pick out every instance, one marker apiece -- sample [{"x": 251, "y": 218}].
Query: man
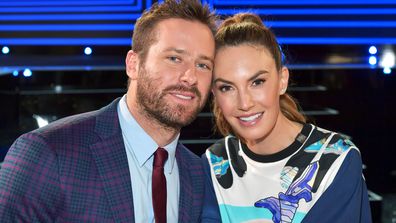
[{"x": 97, "y": 166}]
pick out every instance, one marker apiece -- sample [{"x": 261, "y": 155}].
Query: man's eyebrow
[
  {"x": 203, "y": 57},
  {"x": 181, "y": 51}
]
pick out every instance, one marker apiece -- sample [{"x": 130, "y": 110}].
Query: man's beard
[{"x": 152, "y": 103}]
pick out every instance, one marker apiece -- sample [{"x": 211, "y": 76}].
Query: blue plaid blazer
[{"x": 76, "y": 170}]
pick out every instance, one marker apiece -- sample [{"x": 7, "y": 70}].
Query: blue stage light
[
  {"x": 67, "y": 27},
  {"x": 67, "y": 17},
  {"x": 27, "y": 73},
  {"x": 15, "y": 73},
  {"x": 372, "y": 50},
  {"x": 373, "y": 60},
  {"x": 88, "y": 51},
  {"x": 72, "y": 41},
  {"x": 387, "y": 70},
  {"x": 5, "y": 50},
  {"x": 57, "y": 9}
]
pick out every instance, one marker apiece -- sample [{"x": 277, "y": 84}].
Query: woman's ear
[
  {"x": 132, "y": 64},
  {"x": 284, "y": 80}
]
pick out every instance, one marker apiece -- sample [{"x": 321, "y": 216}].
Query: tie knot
[{"x": 160, "y": 156}]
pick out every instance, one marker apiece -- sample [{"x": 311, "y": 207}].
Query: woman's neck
[{"x": 280, "y": 137}]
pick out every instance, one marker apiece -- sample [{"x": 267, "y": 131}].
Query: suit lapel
[
  {"x": 186, "y": 190},
  {"x": 111, "y": 160}
]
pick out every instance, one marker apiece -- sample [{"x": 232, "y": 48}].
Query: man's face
[{"x": 175, "y": 78}]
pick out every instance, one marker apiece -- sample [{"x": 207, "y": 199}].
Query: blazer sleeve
[
  {"x": 29, "y": 182},
  {"x": 346, "y": 199},
  {"x": 210, "y": 210}
]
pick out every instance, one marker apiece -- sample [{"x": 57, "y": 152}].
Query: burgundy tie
[{"x": 159, "y": 185}]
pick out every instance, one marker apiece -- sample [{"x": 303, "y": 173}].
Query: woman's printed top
[{"x": 297, "y": 184}]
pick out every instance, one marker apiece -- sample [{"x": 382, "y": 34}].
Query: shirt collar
[{"x": 142, "y": 145}]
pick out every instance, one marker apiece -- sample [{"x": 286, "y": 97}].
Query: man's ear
[
  {"x": 132, "y": 64},
  {"x": 284, "y": 80}
]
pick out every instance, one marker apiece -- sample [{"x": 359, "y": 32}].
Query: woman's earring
[{"x": 283, "y": 91}]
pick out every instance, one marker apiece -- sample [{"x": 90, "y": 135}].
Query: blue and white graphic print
[
  {"x": 285, "y": 206},
  {"x": 220, "y": 166}
]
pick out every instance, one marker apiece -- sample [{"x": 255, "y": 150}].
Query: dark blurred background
[{"x": 65, "y": 57}]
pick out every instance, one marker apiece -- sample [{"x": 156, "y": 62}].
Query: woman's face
[{"x": 247, "y": 87}]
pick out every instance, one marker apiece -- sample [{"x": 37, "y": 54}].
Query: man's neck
[{"x": 161, "y": 134}]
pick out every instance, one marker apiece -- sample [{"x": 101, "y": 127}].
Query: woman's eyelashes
[
  {"x": 224, "y": 88},
  {"x": 227, "y": 87},
  {"x": 258, "y": 81}
]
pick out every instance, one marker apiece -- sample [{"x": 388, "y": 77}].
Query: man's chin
[
  {"x": 184, "y": 120},
  {"x": 177, "y": 117}
]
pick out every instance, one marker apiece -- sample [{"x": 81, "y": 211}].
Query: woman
[{"x": 272, "y": 166}]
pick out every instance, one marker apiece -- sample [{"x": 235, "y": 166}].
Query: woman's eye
[
  {"x": 258, "y": 82},
  {"x": 225, "y": 88}
]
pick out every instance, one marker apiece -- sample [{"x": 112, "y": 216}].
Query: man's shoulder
[
  {"x": 188, "y": 159},
  {"x": 186, "y": 153},
  {"x": 68, "y": 125},
  {"x": 75, "y": 128}
]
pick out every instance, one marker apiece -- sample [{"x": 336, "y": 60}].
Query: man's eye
[
  {"x": 204, "y": 66},
  {"x": 174, "y": 59}
]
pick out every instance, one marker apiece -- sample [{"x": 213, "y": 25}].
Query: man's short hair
[{"x": 144, "y": 32}]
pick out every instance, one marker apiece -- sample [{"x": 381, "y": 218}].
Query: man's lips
[
  {"x": 183, "y": 92},
  {"x": 183, "y": 95}
]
